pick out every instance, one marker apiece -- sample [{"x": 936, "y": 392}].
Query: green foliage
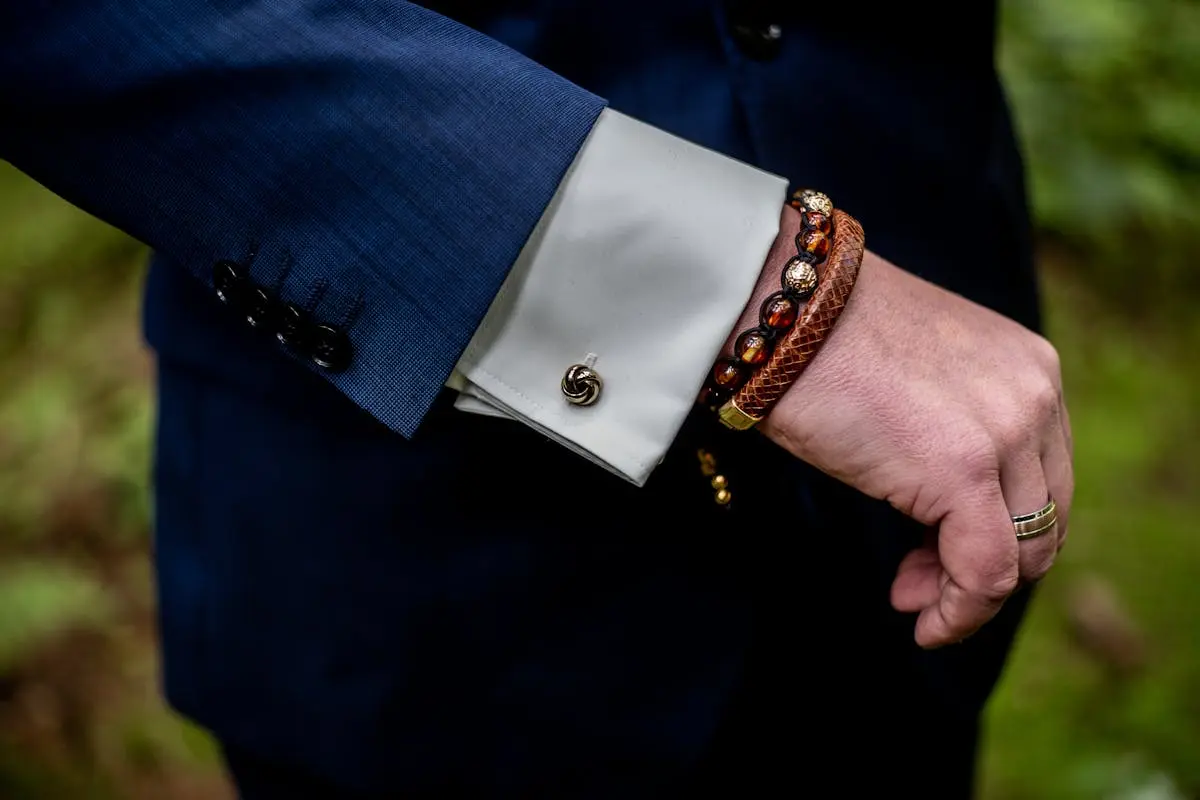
[
  {"x": 1107, "y": 98},
  {"x": 75, "y": 416},
  {"x": 74, "y": 435},
  {"x": 1067, "y": 723},
  {"x": 21, "y": 779},
  {"x": 1107, "y": 103},
  {"x": 40, "y": 600}
]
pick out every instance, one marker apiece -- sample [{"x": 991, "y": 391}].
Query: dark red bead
[
  {"x": 728, "y": 375},
  {"x": 753, "y": 348},
  {"x": 815, "y": 220},
  {"x": 813, "y": 242},
  {"x": 779, "y": 312}
]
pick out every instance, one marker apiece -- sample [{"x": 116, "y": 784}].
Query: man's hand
[{"x": 953, "y": 414}]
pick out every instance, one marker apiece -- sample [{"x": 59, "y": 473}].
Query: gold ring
[{"x": 1029, "y": 526}]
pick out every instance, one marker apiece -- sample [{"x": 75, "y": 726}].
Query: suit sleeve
[
  {"x": 381, "y": 163},
  {"x": 419, "y": 197}
]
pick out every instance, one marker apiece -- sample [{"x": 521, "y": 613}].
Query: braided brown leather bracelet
[{"x": 753, "y": 401}]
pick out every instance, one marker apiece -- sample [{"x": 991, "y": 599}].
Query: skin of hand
[{"x": 950, "y": 412}]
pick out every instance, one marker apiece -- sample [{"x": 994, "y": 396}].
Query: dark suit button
[
  {"x": 258, "y": 307},
  {"x": 330, "y": 348},
  {"x": 758, "y": 41},
  {"x": 229, "y": 279},
  {"x": 291, "y": 325}
]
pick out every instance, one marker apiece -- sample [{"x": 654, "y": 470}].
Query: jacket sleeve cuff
[{"x": 640, "y": 266}]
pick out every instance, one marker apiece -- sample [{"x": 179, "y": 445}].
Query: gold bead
[
  {"x": 799, "y": 276},
  {"x": 708, "y": 462},
  {"x": 719, "y": 482},
  {"x": 723, "y": 497},
  {"x": 816, "y": 201}
]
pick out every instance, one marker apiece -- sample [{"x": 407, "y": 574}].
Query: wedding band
[{"x": 1029, "y": 526}]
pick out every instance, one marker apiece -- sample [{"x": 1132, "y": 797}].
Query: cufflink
[{"x": 581, "y": 385}]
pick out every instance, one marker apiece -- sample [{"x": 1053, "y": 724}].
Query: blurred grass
[
  {"x": 1079, "y": 718},
  {"x": 1102, "y": 697},
  {"x": 80, "y": 714}
]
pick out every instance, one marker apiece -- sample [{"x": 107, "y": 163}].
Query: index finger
[{"x": 978, "y": 551}]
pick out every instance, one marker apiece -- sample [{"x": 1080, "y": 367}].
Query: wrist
[{"x": 840, "y": 354}]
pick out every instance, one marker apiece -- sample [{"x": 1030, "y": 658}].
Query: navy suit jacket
[{"x": 335, "y": 191}]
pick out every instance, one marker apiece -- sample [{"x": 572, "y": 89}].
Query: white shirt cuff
[{"x": 640, "y": 266}]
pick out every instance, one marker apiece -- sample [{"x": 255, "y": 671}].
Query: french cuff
[{"x": 639, "y": 268}]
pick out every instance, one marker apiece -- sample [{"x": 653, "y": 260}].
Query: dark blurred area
[{"x": 1102, "y": 696}]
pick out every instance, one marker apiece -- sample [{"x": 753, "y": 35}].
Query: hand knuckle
[
  {"x": 976, "y": 460},
  {"x": 1045, "y": 397},
  {"x": 1034, "y": 405},
  {"x": 1014, "y": 429},
  {"x": 1047, "y": 354}
]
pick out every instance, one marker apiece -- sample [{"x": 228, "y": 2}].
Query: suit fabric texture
[{"x": 363, "y": 588}]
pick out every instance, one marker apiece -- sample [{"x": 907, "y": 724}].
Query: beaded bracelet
[
  {"x": 792, "y": 327},
  {"x": 779, "y": 312},
  {"x": 796, "y": 349}
]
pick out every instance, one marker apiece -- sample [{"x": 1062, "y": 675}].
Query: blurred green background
[{"x": 1102, "y": 697}]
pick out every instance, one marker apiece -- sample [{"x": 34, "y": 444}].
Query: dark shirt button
[
  {"x": 760, "y": 42},
  {"x": 291, "y": 325},
  {"x": 330, "y": 348},
  {"x": 258, "y": 307},
  {"x": 229, "y": 279}
]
